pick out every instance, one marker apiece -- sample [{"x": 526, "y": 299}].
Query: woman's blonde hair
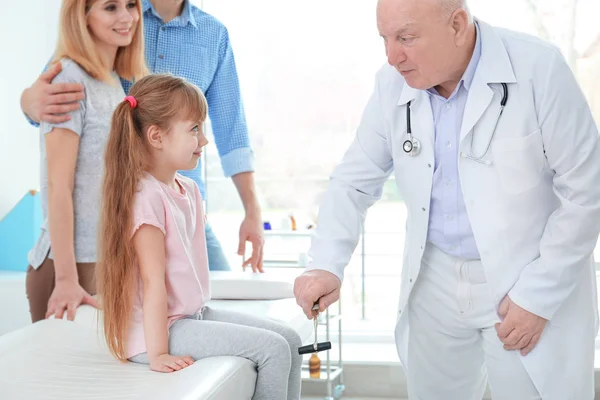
[
  {"x": 161, "y": 99},
  {"x": 75, "y": 42}
]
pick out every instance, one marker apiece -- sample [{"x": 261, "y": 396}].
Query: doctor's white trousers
[{"x": 453, "y": 347}]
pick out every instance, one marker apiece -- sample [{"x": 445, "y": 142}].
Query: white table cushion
[
  {"x": 234, "y": 285},
  {"x": 78, "y": 366},
  {"x": 65, "y": 360}
]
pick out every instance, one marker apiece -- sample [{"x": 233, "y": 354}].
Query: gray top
[{"x": 92, "y": 123}]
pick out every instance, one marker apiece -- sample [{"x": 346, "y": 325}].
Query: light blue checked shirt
[
  {"x": 196, "y": 46},
  {"x": 449, "y": 226}
]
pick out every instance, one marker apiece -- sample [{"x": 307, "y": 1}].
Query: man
[
  {"x": 185, "y": 41},
  {"x": 496, "y": 153}
]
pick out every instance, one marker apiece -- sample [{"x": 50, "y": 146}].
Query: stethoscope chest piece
[{"x": 412, "y": 146}]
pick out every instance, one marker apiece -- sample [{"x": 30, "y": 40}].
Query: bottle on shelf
[{"x": 314, "y": 366}]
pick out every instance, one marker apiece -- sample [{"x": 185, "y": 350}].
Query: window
[{"x": 307, "y": 70}]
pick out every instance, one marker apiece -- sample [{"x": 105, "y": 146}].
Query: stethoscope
[{"x": 412, "y": 145}]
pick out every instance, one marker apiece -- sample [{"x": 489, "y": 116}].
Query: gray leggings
[{"x": 272, "y": 345}]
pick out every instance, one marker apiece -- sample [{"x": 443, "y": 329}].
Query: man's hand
[
  {"x": 316, "y": 285},
  {"x": 67, "y": 296},
  {"x": 520, "y": 329},
  {"x": 251, "y": 230},
  {"x": 50, "y": 102}
]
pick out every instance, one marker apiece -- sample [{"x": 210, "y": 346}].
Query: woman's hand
[
  {"x": 68, "y": 295},
  {"x": 169, "y": 363}
]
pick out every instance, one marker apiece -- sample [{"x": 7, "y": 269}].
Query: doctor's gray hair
[{"x": 449, "y": 6}]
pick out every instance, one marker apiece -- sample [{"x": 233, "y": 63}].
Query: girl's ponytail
[{"x": 115, "y": 272}]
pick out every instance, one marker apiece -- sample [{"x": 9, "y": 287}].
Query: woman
[{"x": 99, "y": 41}]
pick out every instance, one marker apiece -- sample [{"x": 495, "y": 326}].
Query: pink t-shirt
[{"x": 180, "y": 217}]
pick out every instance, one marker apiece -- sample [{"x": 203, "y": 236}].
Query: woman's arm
[
  {"x": 62, "y": 147},
  {"x": 149, "y": 245}
]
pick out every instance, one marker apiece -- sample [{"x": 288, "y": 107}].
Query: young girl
[
  {"x": 152, "y": 276},
  {"x": 99, "y": 41}
]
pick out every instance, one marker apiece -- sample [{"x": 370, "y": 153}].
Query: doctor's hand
[
  {"x": 316, "y": 285},
  {"x": 520, "y": 329}
]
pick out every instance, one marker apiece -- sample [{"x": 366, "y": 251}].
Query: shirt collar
[
  {"x": 469, "y": 74},
  {"x": 186, "y": 17}
]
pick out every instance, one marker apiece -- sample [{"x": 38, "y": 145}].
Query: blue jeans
[{"x": 216, "y": 258}]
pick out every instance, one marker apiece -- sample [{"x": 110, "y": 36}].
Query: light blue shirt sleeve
[
  {"x": 226, "y": 111},
  {"x": 31, "y": 122}
]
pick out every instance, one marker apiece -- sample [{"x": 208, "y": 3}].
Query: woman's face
[{"x": 113, "y": 22}]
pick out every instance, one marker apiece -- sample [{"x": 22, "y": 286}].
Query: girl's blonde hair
[
  {"x": 161, "y": 100},
  {"x": 75, "y": 42}
]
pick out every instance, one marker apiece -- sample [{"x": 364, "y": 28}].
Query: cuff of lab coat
[
  {"x": 238, "y": 161},
  {"x": 339, "y": 274},
  {"x": 531, "y": 306},
  {"x": 530, "y": 297}
]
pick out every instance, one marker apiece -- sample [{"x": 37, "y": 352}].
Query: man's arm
[
  {"x": 251, "y": 229},
  {"x": 572, "y": 148},
  {"x": 50, "y": 102},
  {"x": 244, "y": 183},
  {"x": 227, "y": 115},
  {"x": 233, "y": 144},
  {"x": 356, "y": 184}
]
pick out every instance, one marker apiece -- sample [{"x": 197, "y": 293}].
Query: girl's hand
[
  {"x": 68, "y": 295},
  {"x": 169, "y": 363}
]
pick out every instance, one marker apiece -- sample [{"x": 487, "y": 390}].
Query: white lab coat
[{"x": 534, "y": 211}]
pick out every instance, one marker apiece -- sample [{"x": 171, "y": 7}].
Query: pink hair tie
[{"x": 132, "y": 101}]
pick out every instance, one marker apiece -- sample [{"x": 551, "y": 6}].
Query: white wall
[{"x": 28, "y": 35}]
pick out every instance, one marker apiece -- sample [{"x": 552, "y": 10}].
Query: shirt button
[
  {"x": 161, "y": 56},
  {"x": 448, "y": 106},
  {"x": 162, "y": 29},
  {"x": 449, "y": 217},
  {"x": 448, "y": 145}
]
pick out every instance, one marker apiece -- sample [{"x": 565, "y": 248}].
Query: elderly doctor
[{"x": 497, "y": 156}]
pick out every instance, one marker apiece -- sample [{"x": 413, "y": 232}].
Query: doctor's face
[{"x": 420, "y": 40}]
